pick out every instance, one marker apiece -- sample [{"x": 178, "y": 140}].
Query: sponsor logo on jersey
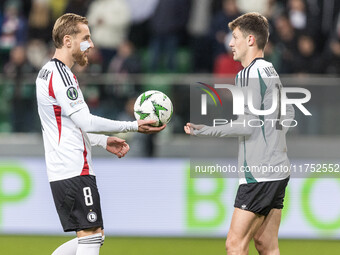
[
  {"x": 80, "y": 101},
  {"x": 92, "y": 217},
  {"x": 72, "y": 93}
]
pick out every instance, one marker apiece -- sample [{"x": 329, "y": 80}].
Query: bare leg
[
  {"x": 266, "y": 237},
  {"x": 244, "y": 225}
]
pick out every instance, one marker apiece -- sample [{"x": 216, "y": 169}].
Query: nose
[
  {"x": 91, "y": 44},
  {"x": 231, "y": 43}
]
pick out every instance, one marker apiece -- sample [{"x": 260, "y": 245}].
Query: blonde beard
[{"x": 80, "y": 58}]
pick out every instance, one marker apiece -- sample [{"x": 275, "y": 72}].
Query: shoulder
[
  {"x": 246, "y": 74},
  {"x": 258, "y": 68},
  {"x": 50, "y": 67},
  {"x": 45, "y": 72},
  {"x": 62, "y": 72},
  {"x": 264, "y": 69},
  {"x": 56, "y": 65}
]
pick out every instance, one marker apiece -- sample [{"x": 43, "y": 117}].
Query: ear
[
  {"x": 251, "y": 40},
  {"x": 67, "y": 41}
]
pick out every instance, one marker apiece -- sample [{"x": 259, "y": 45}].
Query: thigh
[
  {"x": 269, "y": 229},
  {"x": 244, "y": 225}
]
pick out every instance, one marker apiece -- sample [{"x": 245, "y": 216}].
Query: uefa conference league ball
[{"x": 153, "y": 105}]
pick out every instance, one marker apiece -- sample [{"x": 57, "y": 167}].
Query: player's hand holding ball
[{"x": 145, "y": 126}]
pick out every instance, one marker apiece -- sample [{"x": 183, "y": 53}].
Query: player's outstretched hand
[
  {"x": 117, "y": 146},
  {"x": 190, "y": 127},
  {"x": 145, "y": 127}
]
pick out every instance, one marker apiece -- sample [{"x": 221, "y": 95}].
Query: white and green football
[{"x": 153, "y": 105}]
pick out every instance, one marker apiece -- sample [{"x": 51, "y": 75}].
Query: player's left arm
[
  {"x": 236, "y": 128},
  {"x": 112, "y": 144}
]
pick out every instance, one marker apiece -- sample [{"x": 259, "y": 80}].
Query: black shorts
[
  {"x": 261, "y": 197},
  {"x": 77, "y": 202}
]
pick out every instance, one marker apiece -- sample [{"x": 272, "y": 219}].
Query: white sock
[
  {"x": 103, "y": 239},
  {"x": 89, "y": 245},
  {"x": 68, "y": 248}
]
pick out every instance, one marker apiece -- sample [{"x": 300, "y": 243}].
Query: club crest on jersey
[
  {"x": 92, "y": 217},
  {"x": 72, "y": 93}
]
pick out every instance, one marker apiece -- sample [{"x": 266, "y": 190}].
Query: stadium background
[{"x": 150, "y": 203}]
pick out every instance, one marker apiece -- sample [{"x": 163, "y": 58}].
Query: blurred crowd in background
[
  {"x": 157, "y": 36},
  {"x": 136, "y": 36}
]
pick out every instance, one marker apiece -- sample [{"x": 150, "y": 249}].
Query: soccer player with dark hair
[
  {"x": 259, "y": 199},
  {"x": 69, "y": 130}
]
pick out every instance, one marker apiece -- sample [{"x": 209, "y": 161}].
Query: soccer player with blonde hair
[{"x": 69, "y": 131}]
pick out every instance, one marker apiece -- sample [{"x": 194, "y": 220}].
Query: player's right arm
[
  {"x": 93, "y": 124},
  {"x": 69, "y": 97}
]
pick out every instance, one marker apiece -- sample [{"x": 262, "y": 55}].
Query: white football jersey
[
  {"x": 264, "y": 152},
  {"x": 67, "y": 148}
]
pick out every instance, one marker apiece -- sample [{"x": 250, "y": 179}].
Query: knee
[
  {"x": 228, "y": 245},
  {"x": 233, "y": 244},
  {"x": 265, "y": 245},
  {"x": 260, "y": 245}
]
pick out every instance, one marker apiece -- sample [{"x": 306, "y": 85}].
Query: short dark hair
[
  {"x": 255, "y": 24},
  {"x": 67, "y": 24}
]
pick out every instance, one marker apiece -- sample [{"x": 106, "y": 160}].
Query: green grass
[{"x": 44, "y": 245}]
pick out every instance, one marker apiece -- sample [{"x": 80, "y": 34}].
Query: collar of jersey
[
  {"x": 57, "y": 60},
  {"x": 254, "y": 61}
]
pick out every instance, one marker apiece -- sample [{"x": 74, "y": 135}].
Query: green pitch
[{"x": 44, "y": 245}]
